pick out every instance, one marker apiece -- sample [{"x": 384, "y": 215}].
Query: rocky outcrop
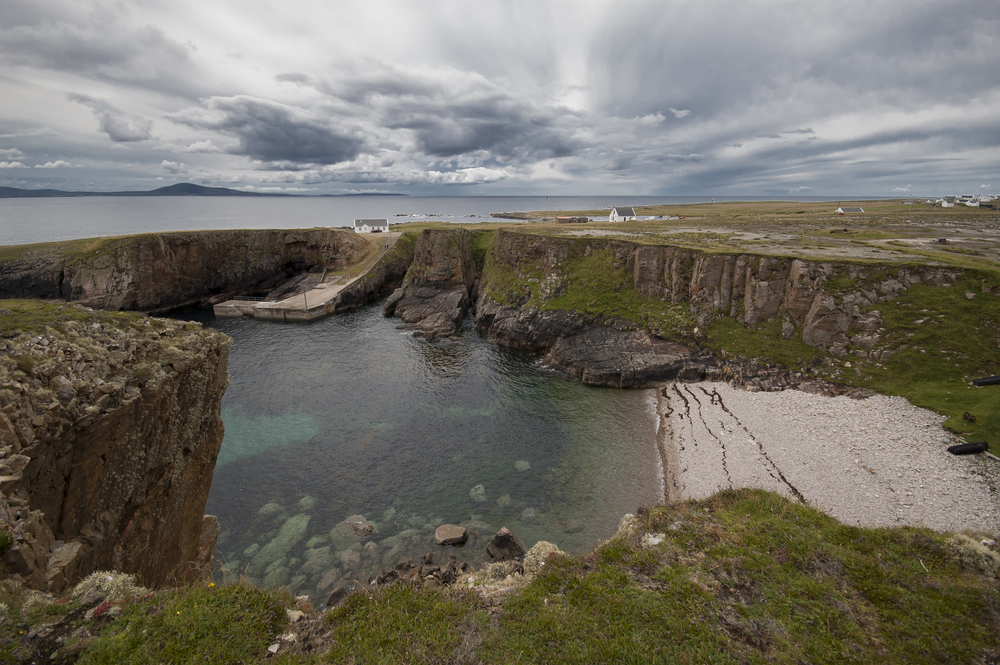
[
  {"x": 831, "y": 305},
  {"x": 612, "y": 353},
  {"x": 109, "y": 433},
  {"x": 158, "y": 272},
  {"x": 435, "y": 296}
]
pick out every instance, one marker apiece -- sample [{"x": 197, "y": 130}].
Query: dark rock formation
[
  {"x": 615, "y": 354},
  {"x": 505, "y": 546},
  {"x": 435, "y": 296},
  {"x": 110, "y": 429},
  {"x": 162, "y": 271}
]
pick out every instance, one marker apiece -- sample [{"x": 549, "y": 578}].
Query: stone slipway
[
  {"x": 874, "y": 462},
  {"x": 317, "y": 302}
]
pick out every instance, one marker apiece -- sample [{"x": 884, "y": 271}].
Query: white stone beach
[{"x": 874, "y": 462}]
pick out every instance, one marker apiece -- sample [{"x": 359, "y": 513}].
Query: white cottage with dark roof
[
  {"x": 621, "y": 214},
  {"x": 371, "y": 226}
]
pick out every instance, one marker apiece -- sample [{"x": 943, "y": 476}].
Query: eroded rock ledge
[
  {"x": 436, "y": 293},
  {"x": 109, "y": 432}
]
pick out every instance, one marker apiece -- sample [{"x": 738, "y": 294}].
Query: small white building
[
  {"x": 371, "y": 226},
  {"x": 842, "y": 211},
  {"x": 621, "y": 214}
]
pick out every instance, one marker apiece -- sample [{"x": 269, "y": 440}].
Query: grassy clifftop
[{"x": 744, "y": 577}]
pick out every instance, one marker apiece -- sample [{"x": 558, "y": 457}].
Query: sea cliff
[
  {"x": 158, "y": 272},
  {"x": 619, "y": 313},
  {"x": 109, "y": 432}
]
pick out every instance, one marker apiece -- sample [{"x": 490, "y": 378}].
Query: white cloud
[
  {"x": 58, "y": 164},
  {"x": 175, "y": 168},
  {"x": 202, "y": 146},
  {"x": 680, "y": 113},
  {"x": 12, "y": 165},
  {"x": 651, "y": 120},
  {"x": 902, "y": 189},
  {"x": 11, "y": 152},
  {"x": 984, "y": 186}
]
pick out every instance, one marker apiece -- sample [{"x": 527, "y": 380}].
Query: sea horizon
[{"x": 34, "y": 220}]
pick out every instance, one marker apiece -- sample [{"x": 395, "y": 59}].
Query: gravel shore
[{"x": 875, "y": 462}]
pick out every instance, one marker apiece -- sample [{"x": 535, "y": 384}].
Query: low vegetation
[{"x": 744, "y": 577}]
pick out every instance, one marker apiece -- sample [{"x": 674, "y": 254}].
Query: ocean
[{"x": 24, "y": 221}]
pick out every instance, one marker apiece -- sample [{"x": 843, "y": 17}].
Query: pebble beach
[{"x": 873, "y": 462}]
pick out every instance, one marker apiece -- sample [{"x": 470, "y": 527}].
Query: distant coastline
[{"x": 180, "y": 189}]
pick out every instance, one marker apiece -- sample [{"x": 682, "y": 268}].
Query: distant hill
[{"x": 180, "y": 189}]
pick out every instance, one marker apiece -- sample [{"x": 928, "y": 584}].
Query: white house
[
  {"x": 371, "y": 226},
  {"x": 621, "y": 214},
  {"x": 841, "y": 211}
]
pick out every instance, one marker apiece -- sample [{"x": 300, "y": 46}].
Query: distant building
[
  {"x": 371, "y": 226},
  {"x": 841, "y": 211},
  {"x": 621, "y": 214}
]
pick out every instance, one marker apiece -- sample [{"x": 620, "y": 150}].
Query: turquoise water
[{"x": 348, "y": 416}]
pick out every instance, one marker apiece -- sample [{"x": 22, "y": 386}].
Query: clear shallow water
[
  {"x": 348, "y": 416},
  {"x": 25, "y": 221}
]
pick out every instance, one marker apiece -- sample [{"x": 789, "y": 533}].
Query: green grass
[
  {"x": 481, "y": 241},
  {"x": 746, "y": 576},
  {"x": 32, "y": 316},
  {"x": 194, "y": 625},
  {"x": 402, "y": 624},
  {"x": 592, "y": 283},
  {"x": 765, "y": 342}
]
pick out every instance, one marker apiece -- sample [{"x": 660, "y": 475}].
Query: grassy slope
[{"x": 744, "y": 577}]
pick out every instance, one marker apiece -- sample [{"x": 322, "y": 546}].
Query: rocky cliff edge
[
  {"x": 436, "y": 292},
  {"x": 618, "y": 313},
  {"x": 109, "y": 431},
  {"x": 157, "y": 272}
]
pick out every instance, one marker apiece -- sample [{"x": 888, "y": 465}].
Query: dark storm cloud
[
  {"x": 456, "y": 113},
  {"x": 118, "y": 125},
  {"x": 273, "y": 132}
]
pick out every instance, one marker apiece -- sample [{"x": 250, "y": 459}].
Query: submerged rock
[
  {"x": 522, "y": 465},
  {"x": 291, "y": 532},
  {"x": 450, "y": 534},
  {"x": 478, "y": 494}
]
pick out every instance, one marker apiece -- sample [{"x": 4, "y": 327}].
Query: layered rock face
[
  {"x": 109, "y": 433},
  {"x": 748, "y": 288},
  {"x": 435, "y": 296},
  {"x": 751, "y": 289},
  {"x": 163, "y": 271}
]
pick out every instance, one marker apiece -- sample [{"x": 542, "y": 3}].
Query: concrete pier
[{"x": 312, "y": 304}]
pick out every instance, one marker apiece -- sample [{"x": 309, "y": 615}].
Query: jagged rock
[
  {"x": 435, "y": 296},
  {"x": 505, "y": 546},
  {"x": 450, "y": 534},
  {"x": 119, "y": 473}
]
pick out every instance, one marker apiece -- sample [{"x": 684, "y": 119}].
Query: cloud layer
[{"x": 636, "y": 96}]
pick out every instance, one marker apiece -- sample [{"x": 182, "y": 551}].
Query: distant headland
[{"x": 180, "y": 189}]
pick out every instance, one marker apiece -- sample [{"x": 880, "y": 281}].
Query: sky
[{"x": 535, "y": 97}]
